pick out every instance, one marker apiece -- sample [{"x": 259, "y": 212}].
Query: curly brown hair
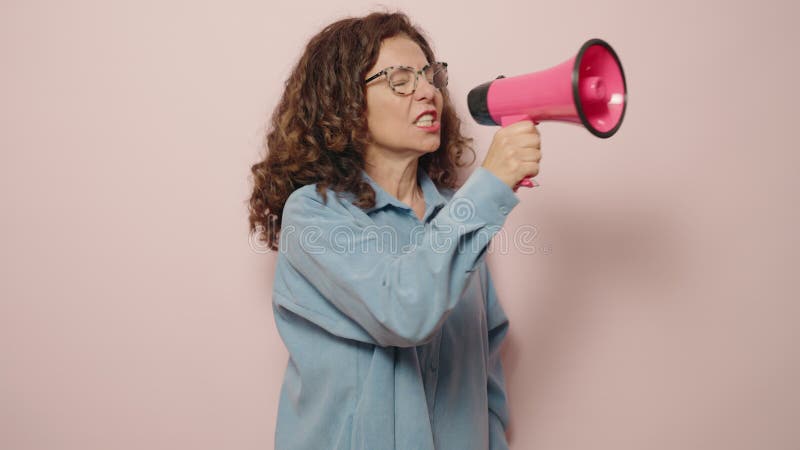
[{"x": 318, "y": 132}]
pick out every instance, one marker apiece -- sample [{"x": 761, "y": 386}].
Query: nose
[{"x": 425, "y": 90}]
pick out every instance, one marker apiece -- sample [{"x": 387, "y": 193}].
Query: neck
[{"x": 396, "y": 174}]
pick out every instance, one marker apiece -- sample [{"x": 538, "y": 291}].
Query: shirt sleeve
[
  {"x": 395, "y": 298},
  {"x": 497, "y": 324}
]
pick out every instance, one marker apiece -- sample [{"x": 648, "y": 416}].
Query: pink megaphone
[{"x": 588, "y": 89}]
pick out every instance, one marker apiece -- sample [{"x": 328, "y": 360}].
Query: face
[{"x": 392, "y": 118}]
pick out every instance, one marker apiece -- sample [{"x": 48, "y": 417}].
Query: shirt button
[{"x": 504, "y": 210}]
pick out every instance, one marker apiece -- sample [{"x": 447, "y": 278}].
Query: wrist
[{"x": 508, "y": 182}]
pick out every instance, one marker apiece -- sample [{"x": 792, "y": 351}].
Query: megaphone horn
[{"x": 588, "y": 89}]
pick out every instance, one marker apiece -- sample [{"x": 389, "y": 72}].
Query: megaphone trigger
[{"x": 527, "y": 182}]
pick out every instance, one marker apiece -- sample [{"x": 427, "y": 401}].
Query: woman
[{"x": 381, "y": 293}]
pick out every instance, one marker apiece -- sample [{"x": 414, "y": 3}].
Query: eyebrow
[{"x": 407, "y": 65}]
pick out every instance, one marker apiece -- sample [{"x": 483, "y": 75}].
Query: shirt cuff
[{"x": 491, "y": 198}]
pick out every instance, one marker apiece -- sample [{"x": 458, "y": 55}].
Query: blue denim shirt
[{"x": 392, "y": 324}]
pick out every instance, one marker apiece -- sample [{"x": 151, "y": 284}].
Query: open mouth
[{"x": 426, "y": 119}]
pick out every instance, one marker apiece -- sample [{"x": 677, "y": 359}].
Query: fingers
[
  {"x": 527, "y": 151},
  {"x": 531, "y": 157},
  {"x": 521, "y": 134},
  {"x": 515, "y": 153},
  {"x": 530, "y": 169}
]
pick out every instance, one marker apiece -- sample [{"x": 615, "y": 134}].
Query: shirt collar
[{"x": 433, "y": 198}]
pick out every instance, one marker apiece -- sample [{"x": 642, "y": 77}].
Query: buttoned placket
[{"x": 430, "y": 352}]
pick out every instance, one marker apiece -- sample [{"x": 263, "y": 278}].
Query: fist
[{"x": 515, "y": 153}]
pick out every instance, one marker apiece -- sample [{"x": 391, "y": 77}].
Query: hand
[{"x": 515, "y": 153}]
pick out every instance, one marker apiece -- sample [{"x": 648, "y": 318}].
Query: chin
[
  {"x": 429, "y": 149},
  {"x": 432, "y": 146}
]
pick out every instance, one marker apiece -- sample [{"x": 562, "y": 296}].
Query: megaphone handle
[{"x": 508, "y": 120}]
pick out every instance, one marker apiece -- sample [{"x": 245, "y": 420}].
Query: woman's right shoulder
[{"x": 303, "y": 195}]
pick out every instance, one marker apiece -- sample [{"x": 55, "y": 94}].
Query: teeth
[
  {"x": 427, "y": 118},
  {"x": 424, "y": 123}
]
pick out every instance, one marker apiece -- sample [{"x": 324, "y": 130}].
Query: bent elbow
[{"x": 407, "y": 335}]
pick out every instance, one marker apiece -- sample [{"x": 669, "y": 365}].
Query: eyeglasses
[{"x": 403, "y": 79}]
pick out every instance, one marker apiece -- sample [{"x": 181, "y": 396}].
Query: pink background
[{"x": 658, "y": 311}]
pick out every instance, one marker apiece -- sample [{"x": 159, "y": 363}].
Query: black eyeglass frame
[{"x": 416, "y": 72}]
